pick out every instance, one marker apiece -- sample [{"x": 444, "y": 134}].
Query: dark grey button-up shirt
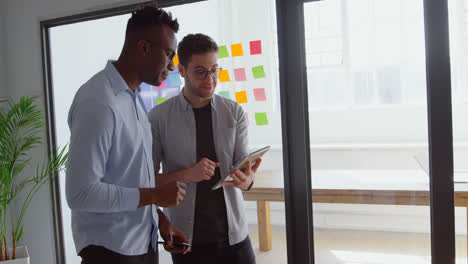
[{"x": 174, "y": 146}]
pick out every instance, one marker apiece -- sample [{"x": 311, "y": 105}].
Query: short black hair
[
  {"x": 195, "y": 44},
  {"x": 149, "y": 16}
]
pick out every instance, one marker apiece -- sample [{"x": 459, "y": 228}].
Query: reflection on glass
[
  {"x": 368, "y": 121},
  {"x": 458, "y": 32}
]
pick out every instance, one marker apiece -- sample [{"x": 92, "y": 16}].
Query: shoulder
[
  {"x": 97, "y": 89},
  {"x": 95, "y": 97},
  {"x": 163, "y": 110},
  {"x": 228, "y": 105}
]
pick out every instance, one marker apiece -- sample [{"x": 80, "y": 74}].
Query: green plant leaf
[
  {"x": 21, "y": 125},
  {"x": 20, "y": 234}
]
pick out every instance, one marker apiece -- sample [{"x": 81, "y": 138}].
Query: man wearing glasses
[
  {"x": 198, "y": 136},
  {"x": 110, "y": 184}
]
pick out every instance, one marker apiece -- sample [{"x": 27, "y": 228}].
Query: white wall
[
  {"x": 3, "y": 91},
  {"x": 20, "y": 40}
]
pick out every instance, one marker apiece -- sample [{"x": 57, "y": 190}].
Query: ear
[
  {"x": 143, "y": 47},
  {"x": 181, "y": 70}
]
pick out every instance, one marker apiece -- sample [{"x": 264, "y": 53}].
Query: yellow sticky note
[
  {"x": 224, "y": 76},
  {"x": 236, "y": 50},
  {"x": 241, "y": 97},
  {"x": 176, "y": 60}
]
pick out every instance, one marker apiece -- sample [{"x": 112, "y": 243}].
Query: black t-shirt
[{"x": 210, "y": 226}]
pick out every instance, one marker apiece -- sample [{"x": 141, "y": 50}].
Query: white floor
[{"x": 352, "y": 247}]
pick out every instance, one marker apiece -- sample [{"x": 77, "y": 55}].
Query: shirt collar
[
  {"x": 118, "y": 84},
  {"x": 186, "y": 105}
]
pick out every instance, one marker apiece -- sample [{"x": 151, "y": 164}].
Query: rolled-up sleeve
[{"x": 92, "y": 125}]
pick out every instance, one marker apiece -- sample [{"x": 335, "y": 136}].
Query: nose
[
  {"x": 170, "y": 66},
  {"x": 212, "y": 76},
  {"x": 209, "y": 78}
]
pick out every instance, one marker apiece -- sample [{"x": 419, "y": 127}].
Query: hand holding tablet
[{"x": 252, "y": 157}]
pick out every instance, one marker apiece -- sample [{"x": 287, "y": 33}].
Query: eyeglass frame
[{"x": 213, "y": 74}]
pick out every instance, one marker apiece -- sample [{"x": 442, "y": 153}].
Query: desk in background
[{"x": 385, "y": 187}]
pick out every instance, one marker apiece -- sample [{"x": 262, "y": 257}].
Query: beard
[
  {"x": 202, "y": 93},
  {"x": 199, "y": 91}
]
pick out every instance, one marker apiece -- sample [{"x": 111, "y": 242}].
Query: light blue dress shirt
[{"x": 110, "y": 158}]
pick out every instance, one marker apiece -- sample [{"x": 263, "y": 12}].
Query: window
[{"x": 249, "y": 58}]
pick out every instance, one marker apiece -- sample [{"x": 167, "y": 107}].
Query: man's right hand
[
  {"x": 170, "y": 194},
  {"x": 202, "y": 171},
  {"x": 167, "y": 195}
]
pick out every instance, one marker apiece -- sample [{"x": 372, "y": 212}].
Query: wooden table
[{"x": 386, "y": 187}]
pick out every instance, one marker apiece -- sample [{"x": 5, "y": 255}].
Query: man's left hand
[
  {"x": 243, "y": 178},
  {"x": 171, "y": 234}
]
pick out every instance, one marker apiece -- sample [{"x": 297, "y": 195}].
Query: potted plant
[{"x": 21, "y": 123}]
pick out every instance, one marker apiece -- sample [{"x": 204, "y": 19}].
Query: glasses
[
  {"x": 202, "y": 74},
  {"x": 170, "y": 54}
]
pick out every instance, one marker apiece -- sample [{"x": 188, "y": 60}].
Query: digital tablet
[{"x": 252, "y": 157}]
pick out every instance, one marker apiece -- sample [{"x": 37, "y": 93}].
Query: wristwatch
[{"x": 250, "y": 186}]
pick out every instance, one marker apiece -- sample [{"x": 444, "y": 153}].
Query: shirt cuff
[{"x": 131, "y": 199}]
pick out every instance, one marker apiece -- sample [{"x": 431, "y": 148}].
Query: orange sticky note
[
  {"x": 224, "y": 76},
  {"x": 241, "y": 97},
  {"x": 236, "y": 50},
  {"x": 175, "y": 60}
]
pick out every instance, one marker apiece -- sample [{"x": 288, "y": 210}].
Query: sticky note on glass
[
  {"x": 160, "y": 86},
  {"x": 241, "y": 97},
  {"x": 173, "y": 80},
  {"x": 247, "y": 117},
  {"x": 239, "y": 74},
  {"x": 258, "y": 72},
  {"x": 261, "y": 119},
  {"x": 259, "y": 94},
  {"x": 223, "y": 76},
  {"x": 175, "y": 60},
  {"x": 236, "y": 50},
  {"x": 225, "y": 94},
  {"x": 255, "y": 47},
  {"x": 160, "y": 100},
  {"x": 223, "y": 52}
]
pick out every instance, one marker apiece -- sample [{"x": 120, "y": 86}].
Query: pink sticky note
[
  {"x": 160, "y": 86},
  {"x": 239, "y": 74},
  {"x": 247, "y": 116},
  {"x": 255, "y": 47},
  {"x": 259, "y": 94}
]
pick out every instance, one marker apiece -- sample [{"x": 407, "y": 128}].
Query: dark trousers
[
  {"x": 101, "y": 255},
  {"x": 241, "y": 253}
]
